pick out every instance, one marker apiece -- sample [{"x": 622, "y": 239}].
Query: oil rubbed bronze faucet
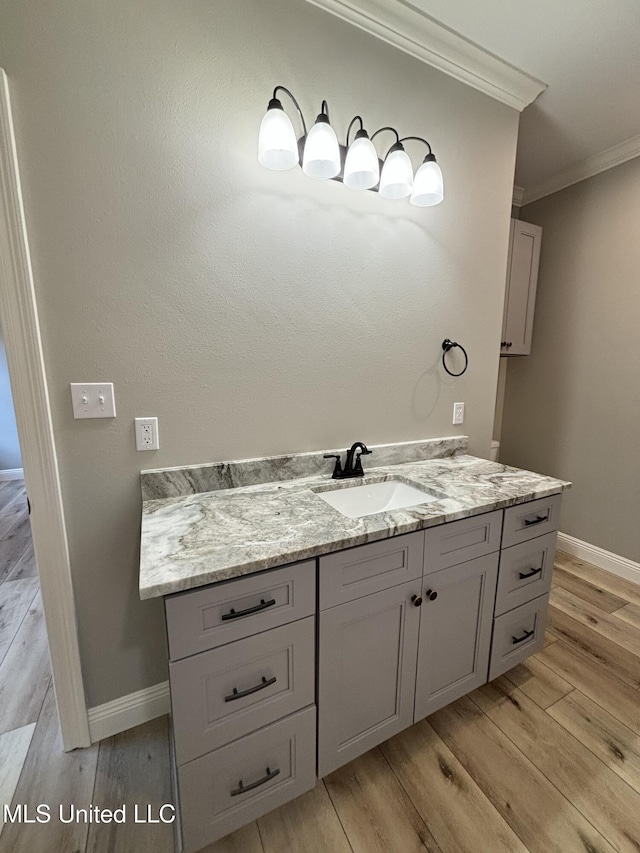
[{"x": 353, "y": 463}]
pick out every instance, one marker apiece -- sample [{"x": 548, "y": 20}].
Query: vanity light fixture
[
  {"x": 321, "y": 157},
  {"x": 428, "y": 186},
  {"x": 277, "y": 144},
  {"x": 356, "y": 164},
  {"x": 396, "y": 179},
  {"x": 361, "y": 166}
]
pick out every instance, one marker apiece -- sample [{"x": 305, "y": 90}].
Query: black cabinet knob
[
  {"x": 417, "y": 601},
  {"x": 431, "y": 595}
]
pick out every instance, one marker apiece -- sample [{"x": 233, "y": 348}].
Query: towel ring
[{"x": 448, "y": 345}]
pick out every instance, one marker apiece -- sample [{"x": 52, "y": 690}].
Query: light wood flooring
[{"x": 545, "y": 759}]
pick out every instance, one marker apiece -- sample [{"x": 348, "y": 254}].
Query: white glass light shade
[
  {"x": 277, "y": 144},
  {"x": 321, "y": 157},
  {"x": 428, "y": 188},
  {"x": 396, "y": 179},
  {"x": 361, "y": 168}
]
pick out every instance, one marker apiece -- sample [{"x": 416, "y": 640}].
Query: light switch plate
[{"x": 93, "y": 400}]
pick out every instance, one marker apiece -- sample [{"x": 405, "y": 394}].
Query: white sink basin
[{"x": 369, "y": 498}]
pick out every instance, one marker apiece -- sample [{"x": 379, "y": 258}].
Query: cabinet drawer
[
  {"x": 238, "y": 783},
  {"x": 517, "y": 635},
  {"x": 460, "y": 541},
  {"x": 525, "y": 572},
  {"x": 275, "y": 671},
  {"x": 525, "y": 521},
  {"x": 221, "y": 613},
  {"x": 347, "y": 575}
]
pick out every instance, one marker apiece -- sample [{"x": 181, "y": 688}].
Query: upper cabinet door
[{"x": 522, "y": 282}]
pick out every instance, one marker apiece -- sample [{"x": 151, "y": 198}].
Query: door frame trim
[{"x": 19, "y": 314}]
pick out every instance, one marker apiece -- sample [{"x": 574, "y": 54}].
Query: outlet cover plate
[
  {"x": 93, "y": 400},
  {"x": 147, "y": 434}
]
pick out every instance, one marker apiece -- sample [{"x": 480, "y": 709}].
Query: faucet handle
[
  {"x": 337, "y": 468},
  {"x": 357, "y": 467}
]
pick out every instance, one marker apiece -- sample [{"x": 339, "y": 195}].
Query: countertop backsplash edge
[{"x": 160, "y": 483}]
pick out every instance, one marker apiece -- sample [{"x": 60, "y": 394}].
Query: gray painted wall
[
  {"x": 572, "y": 407},
  {"x": 253, "y": 312},
  {"x": 9, "y": 445}
]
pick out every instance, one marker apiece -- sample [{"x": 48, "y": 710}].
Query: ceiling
[{"x": 588, "y": 53}]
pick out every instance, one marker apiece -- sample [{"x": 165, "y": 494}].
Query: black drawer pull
[
  {"x": 242, "y": 789},
  {"x": 240, "y": 695},
  {"x": 529, "y": 521},
  {"x": 524, "y": 576},
  {"x": 526, "y": 636},
  {"x": 236, "y": 614}
]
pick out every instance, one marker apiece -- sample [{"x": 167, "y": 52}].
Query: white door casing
[{"x": 19, "y": 315}]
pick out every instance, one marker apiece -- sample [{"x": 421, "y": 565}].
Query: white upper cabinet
[{"x": 520, "y": 294}]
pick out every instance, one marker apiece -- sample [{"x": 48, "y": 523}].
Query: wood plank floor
[
  {"x": 545, "y": 759},
  {"x": 25, "y": 672}
]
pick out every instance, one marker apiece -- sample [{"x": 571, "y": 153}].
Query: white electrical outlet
[
  {"x": 147, "y": 434},
  {"x": 93, "y": 400},
  {"x": 458, "y": 413}
]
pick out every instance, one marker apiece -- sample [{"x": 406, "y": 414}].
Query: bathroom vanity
[{"x": 282, "y": 670}]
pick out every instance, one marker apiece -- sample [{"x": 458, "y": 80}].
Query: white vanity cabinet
[
  {"x": 524, "y": 580},
  {"x": 412, "y": 623},
  {"x": 356, "y": 645},
  {"x": 242, "y": 678},
  {"x": 522, "y": 283}
]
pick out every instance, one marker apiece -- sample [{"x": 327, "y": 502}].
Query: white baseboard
[
  {"x": 11, "y": 474},
  {"x": 613, "y": 563},
  {"x": 128, "y": 711}
]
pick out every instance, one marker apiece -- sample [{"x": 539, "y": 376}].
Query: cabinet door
[
  {"x": 522, "y": 281},
  {"x": 455, "y": 632},
  {"x": 367, "y": 671}
]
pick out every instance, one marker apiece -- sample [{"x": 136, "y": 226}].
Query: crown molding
[
  {"x": 401, "y": 24},
  {"x": 518, "y": 195},
  {"x": 614, "y": 156}
]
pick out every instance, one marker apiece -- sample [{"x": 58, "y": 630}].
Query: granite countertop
[{"x": 196, "y": 539}]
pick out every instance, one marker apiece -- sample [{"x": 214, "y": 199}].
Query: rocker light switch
[{"x": 93, "y": 400}]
